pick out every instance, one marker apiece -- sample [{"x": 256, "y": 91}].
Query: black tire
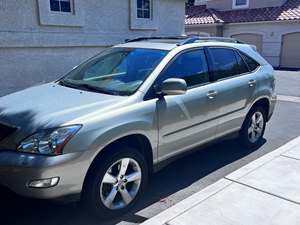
[
  {"x": 244, "y": 136},
  {"x": 91, "y": 196}
]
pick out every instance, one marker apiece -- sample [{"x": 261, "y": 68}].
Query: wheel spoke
[
  {"x": 257, "y": 129},
  {"x": 121, "y": 183},
  {"x": 126, "y": 196},
  {"x": 109, "y": 179},
  {"x": 250, "y": 130},
  {"x": 111, "y": 196},
  {"x": 254, "y": 119},
  {"x": 252, "y": 136},
  {"x": 133, "y": 177},
  {"x": 124, "y": 166},
  {"x": 259, "y": 119}
]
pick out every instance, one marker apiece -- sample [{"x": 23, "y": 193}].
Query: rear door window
[{"x": 225, "y": 63}]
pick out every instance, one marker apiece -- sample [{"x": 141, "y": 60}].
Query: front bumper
[{"x": 17, "y": 170}]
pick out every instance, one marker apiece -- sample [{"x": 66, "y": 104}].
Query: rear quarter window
[{"x": 251, "y": 63}]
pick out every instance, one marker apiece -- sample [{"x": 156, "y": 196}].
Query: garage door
[
  {"x": 290, "y": 52},
  {"x": 253, "y": 39}
]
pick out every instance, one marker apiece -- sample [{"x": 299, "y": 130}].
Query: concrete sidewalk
[{"x": 264, "y": 192}]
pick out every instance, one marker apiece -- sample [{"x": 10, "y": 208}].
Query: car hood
[{"x": 51, "y": 105}]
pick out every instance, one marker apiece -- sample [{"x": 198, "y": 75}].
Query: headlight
[{"x": 49, "y": 142}]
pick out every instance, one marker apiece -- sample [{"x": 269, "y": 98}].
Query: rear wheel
[
  {"x": 116, "y": 183},
  {"x": 254, "y": 127}
]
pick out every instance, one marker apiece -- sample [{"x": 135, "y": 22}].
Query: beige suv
[{"x": 101, "y": 130}]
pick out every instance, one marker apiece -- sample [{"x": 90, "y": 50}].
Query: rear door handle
[
  {"x": 252, "y": 83},
  {"x": 212, "y": 94}
]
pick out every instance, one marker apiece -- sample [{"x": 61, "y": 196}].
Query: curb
[{"x": 197, "y": 198}]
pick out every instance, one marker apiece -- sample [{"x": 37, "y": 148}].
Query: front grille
[{"x": 6, "y": 130}]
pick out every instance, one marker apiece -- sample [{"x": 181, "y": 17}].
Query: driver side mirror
[{"x": 173, "y": 86}]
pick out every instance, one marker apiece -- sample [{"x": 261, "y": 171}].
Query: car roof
[
  {"x": 149, "y": 45},
  {"x": 170, "y": 46},
  {"x": 186, "y": 42},
  {"x": 169, "y": 43}
]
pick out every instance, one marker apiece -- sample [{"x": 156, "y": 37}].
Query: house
[
  {"x": 272, "y": 25},
  {"x": 41, "y": 40}
]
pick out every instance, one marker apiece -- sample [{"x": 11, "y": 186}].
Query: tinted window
[
  {"x": 223, "y": 63},
  {"x": 252, "y": 64},
  {"x": 190, "y": 66},
  {"x": 241, "y": 64}
]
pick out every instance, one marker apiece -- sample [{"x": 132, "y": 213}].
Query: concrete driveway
[{"x": 176, "y": 182}]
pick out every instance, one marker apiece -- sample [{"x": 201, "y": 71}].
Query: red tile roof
[{"x": 202, "y": 15}]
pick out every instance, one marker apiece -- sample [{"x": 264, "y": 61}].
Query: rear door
[{"x": 235, "y": 87}]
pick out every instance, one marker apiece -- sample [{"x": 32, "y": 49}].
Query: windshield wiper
[
  {"x": 68, "y": 84},
  {"x": 87, "y": 87},
  {"x": 97, "y": 89}
]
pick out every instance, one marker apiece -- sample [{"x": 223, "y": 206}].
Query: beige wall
[
  {"x": 220, "y": 4},
  {"x": 227, "y": 4},
  {"x": 272, "y": 33},
  {"x": 205, "y": 30},
  {"x": 33, "y": 52},
  {"x": 265, "y": 3},
  {"x": 200, "y": 2}
]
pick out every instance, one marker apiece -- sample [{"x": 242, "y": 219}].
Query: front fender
[{"x": 102, "y": 130}]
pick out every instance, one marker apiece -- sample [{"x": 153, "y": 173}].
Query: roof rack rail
[
  {"x": 183, "y": 40},
  {"x": 193, "y": 39},
  {"x": 155, "y": 38}
]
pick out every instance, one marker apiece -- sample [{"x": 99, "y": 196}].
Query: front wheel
[
  {"x": 116, "y": 183},
  {"x": 253, "y": 128}
]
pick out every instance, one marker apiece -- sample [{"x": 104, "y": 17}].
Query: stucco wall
[
  {"x": 272, "y": 36},
  {"x": 265, "y": 3},
  {"x": 33, "y": 52},
  {"x": 227, "y": 4},
  {"x": 205, "y": 30}
]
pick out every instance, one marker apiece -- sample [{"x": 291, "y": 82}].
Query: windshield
[{"x": 118, "y": 71}]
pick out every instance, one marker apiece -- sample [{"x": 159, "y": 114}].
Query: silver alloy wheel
[
  {"x": 121, "y": 183},
  {"x": 256, "y": 127}
]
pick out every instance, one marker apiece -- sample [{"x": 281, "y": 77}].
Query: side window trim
[{"x": 149, "y": 96}]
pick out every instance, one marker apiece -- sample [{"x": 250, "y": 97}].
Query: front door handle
[
  {"x": 212, "y": 94},
  {"x": 252, "y": 83}
]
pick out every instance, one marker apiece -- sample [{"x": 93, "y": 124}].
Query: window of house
[
  {"x": 61, "y": 5},
  {"x": 240, "y": 3},
  {"x": 61, "y": 13},
  {"x": 144, "y": 9},
  {"x": 224, "y": 63},
  {"x": 190, "y": 66}
]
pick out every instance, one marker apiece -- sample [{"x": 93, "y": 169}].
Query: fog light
[{"x": 45, "y": 183}]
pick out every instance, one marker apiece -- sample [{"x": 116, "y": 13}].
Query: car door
[
  {"x": 185, "y": 121},
  {"x": 235, "y": 87}
]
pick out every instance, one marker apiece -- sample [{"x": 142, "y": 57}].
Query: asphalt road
[{"x": 176, "y": 182}]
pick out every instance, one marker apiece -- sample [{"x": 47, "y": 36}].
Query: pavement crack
[
  {"x": 263, "y": 191},
  {"x": 290, "y": 157}
]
